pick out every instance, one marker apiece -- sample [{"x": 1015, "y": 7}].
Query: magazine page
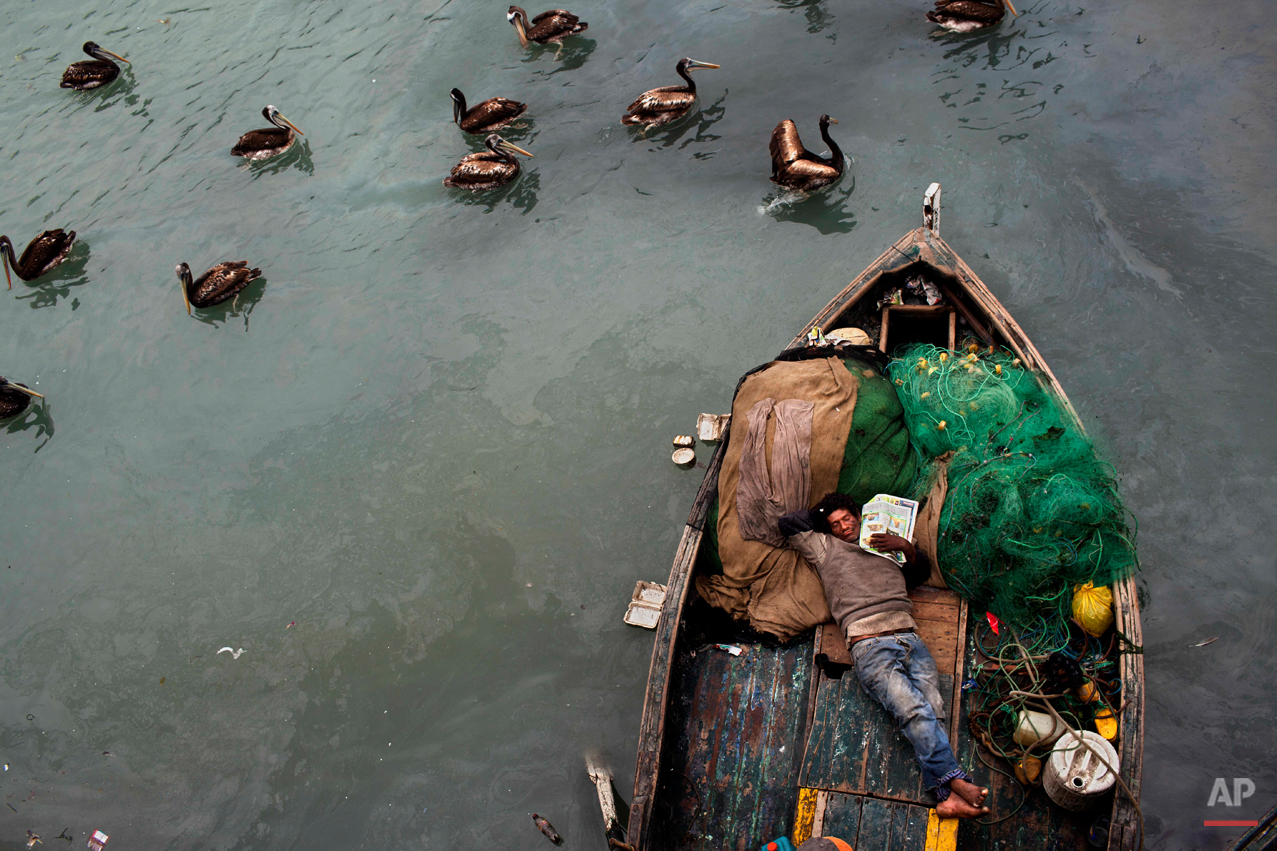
[{"x": 892, "y": 515}]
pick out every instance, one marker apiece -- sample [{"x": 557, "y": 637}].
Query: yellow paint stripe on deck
[
  {"x": 806, "y": 814},
  {"x": 942, "y": 833}
]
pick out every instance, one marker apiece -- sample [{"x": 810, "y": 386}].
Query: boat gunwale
[{"x": 930, "y": 250}]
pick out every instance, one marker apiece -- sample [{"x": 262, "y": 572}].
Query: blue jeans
[{"x": 901, "y": 675}]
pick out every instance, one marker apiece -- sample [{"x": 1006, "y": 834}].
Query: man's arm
[
  {"x": 917, "y": 567},
  {"x": 799, "y": 530}
]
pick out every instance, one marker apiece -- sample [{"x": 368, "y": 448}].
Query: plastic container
[
  {"x": 1074, "y": 777},
  {"x": 781, "y": 844},
  {"x": 645, "y": 605},
  {"x": 1036, "y": 728}
]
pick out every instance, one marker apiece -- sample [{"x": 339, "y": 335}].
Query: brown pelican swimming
[
  {"x": 963, "y": 16},
  {"x": 798, "y": 168},
  {"x": 44, "y": 253},
  {"x": 217, "y": 284},
  {"x": 92, "y": 73},
  {"x": 14, "y": 398},
  {"x": 546, "y": 28},
  {"x": 269, "y": 141},
  {"x": 487, "y": 170},
  {"x": 661, "y": 106},
  {"x": 487, "y": 116}
]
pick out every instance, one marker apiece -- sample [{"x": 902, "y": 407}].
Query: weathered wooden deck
[{"x": 729, "y": 773}]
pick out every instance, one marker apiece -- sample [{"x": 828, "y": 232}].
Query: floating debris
[
  {"x": 545, "y": 827},
  {"x": 1207, "y": 641},
  {"x": 235, "y": 654}
]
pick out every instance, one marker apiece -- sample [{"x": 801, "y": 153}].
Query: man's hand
[
  {"x": 796, "y": 523},
  {"x": 884, "y": 543}
]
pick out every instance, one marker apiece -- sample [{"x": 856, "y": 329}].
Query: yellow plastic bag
[{"x": 1093, "y": 608}]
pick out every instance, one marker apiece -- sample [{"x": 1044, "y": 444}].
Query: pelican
[
  {"x": 42, "y": 256},
  {"x": 798, "y": 168},
  {"x": 963, "y": 16},
  {"x": 14, "y": 398},
  {"x": 661, "y": 106},
  {"x": 547, "y": 28},
  {"x": 484, "y": 117},
  {"x": 217, "y": 284},
  {"x": 487, "y": 171},
  {"x": 93, "y": 73},
  {"x": 269, "y": 141}
]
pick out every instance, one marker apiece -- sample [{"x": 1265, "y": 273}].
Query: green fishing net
[{"x": 1031, "y": 511}]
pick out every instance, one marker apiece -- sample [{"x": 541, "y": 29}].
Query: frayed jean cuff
[{"x": 942, "y": 790}]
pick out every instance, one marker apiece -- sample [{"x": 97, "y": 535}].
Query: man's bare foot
[
  {"x": 955, "y": 806},
  {"x": 971, "y": 793}
]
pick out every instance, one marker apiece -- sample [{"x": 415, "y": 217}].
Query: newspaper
[{"x": 892, "y": 515}]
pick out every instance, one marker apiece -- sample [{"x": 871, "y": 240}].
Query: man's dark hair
[{"x": 830, "y": 503}]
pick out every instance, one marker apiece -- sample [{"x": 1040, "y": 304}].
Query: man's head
[{"x": 842, "y": 513}]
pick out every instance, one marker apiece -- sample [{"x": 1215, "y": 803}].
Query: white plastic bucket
[{"x": 1074, "y": 776}]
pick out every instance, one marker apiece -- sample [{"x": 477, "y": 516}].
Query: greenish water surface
[{"x": 415, "y": 472}]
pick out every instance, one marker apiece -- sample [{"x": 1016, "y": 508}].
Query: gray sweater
[{"x": 867, "y": 593}]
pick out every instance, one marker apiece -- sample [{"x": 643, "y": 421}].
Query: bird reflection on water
[
  {"x": 818, "y": 18},
  {"x": 522, "y": 132},
  {"x": 521, "y": 194},
  {"x": 298, "y": 157},
  {"x": 699, "y": 120},
  {"x": 36, "y": 416},
  {"x": 999, "y": 77},
  {"x": 241, "y": 306},
  {"x": 572, "y": 55},
  {"x": 824, "y": 210}
]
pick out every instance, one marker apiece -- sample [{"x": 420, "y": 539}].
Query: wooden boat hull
[{"x": 673, "y": 731}]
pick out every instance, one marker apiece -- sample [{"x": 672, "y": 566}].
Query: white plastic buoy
[{"x": 1075, "y": 777}]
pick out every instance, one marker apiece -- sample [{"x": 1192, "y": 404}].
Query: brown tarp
[{"x": 774, "y": 588}]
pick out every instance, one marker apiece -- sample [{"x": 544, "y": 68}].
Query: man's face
[{"x": 844, "y": 525}]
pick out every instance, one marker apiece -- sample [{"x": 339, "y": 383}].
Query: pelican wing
[
  {"x": 555, "y": 25},
  {"x": 222, "y": 282},
  {"x": 45, "y": 252},
  {"x": 89, "y": 74},
  {"x": 807, "y": 169},
  {"x": 480, "y": 170},
  {"x": 664, "y": 99},
  {"x": 266, "y": 139},
  {"x": 969, "y": 10},
  {"x": 491, "y": 114},
  {"x": 555, "y": 13},
  {"x": 785, "y": 145}
]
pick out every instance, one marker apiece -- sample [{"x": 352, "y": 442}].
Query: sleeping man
[{"x": 868, "y": 595}]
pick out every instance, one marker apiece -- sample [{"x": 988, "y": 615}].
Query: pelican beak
[
  {"x": 26, "y": 390},
  {"x": 695, "y": 64},
  {"x": 518, "y": 28},
  {"x": 116, "y": 56},
  {"x": 5, "y": 257},
  {"x": 1012, "y": 8},
  {"x": 833, "y": 121},
  {"x": 515, "y": 148},
  {"x": 296, "y": 129},
  {"x": 185, "y": 297}
]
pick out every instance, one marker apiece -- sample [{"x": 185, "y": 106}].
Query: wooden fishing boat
[
  {"x": 1262, "y": 836},
  {"x": 735, "y": 751}
]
